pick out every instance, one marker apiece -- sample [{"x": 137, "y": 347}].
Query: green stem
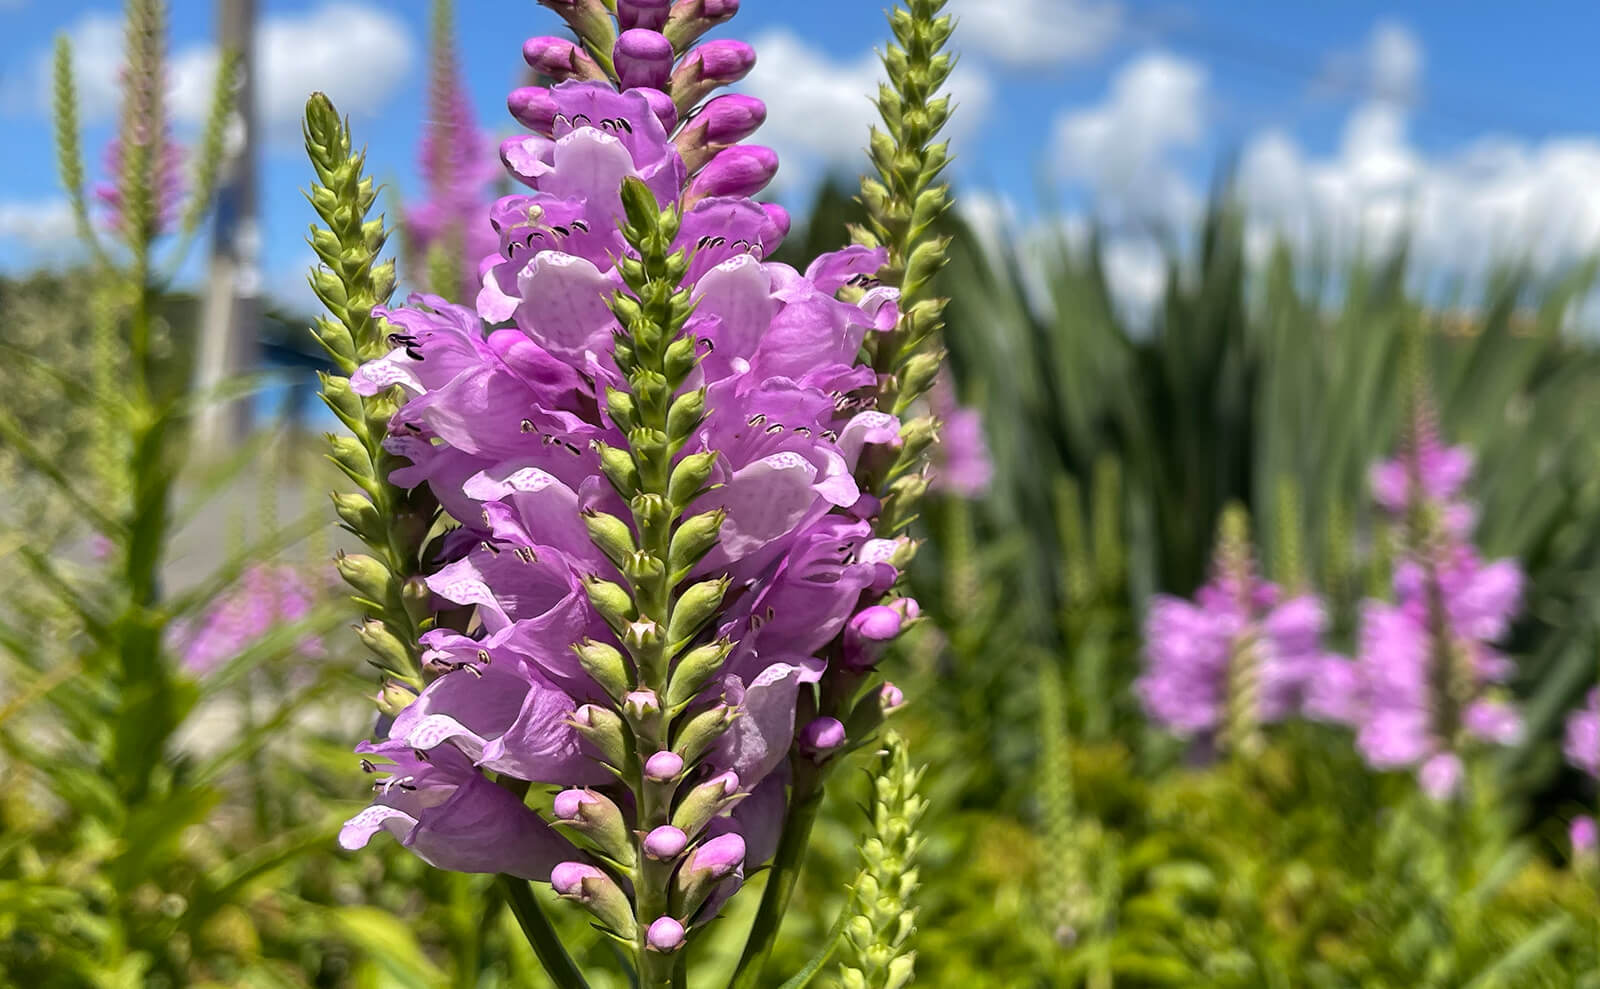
[
  {"x": 541, "y": 936},
  {"x": 805, "y": 802}
]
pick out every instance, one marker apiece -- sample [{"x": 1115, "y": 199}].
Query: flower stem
[
  {"x": 541, "y": 935},
  {"x": 804, "y": 803}
]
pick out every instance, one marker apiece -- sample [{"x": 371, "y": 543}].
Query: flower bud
[
  {"x": 561, "y": 60},
  {"x": 694, "y": 538},
  {"x": 610, "y": 534},
  {"x": 587, "y": 885},
  {"x": 1585, "y": 839},
  {"x": 685, "y": 414},
  {"x": 689, "y": 477},
  {"x": 665, "y": 934},
  {"x": 394, "y": 698},
  {"x": 705, "y": 802},
  {"x": 590, "y": 19},
  {"x": 534, "y": 108},
  {"x": 700, "y": 732},
  {"x": 643, "y": 58},
  {"x": 779, "y": 216},
  {"x": 650, "y": 14},
  {"x": 612, "y": 601},
  {"x": 822, "y": 737},
  {"x": 662, "y": 106},
  {"x": 713, "y": 64},
  {"x": 690, "y": 19},
  {"x": 663, "y": 767},
  {"x": 694, "y": 671},
  {"x": 370, "y": 578},
  {"x": 641, "y": 635},
  {"x": 866, "y": 634},
  {"x": 603, "y": 729},
  {"x": 665, "y": 843},
  {"x": 892, "y": 698},
  {"x": 641, "y": 704},
  {"x": 390, "y": 653},
  {"x": 618, "y": 466},
  {"x": 742, "y": 170},
  {"x": 695, "y": 606},
  {"x": 592, "y": 815},
  {"x": 605, "y": 666},
  {"x": 724, "y": 121},
  {"x": 358, "y": 512},
  {"x": 705, "y": 867}
]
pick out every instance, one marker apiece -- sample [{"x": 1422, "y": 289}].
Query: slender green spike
[
  {"x": 1289, "y": 566},
  {"x": 69, "y": 148},
  {"x": 210, "y": 152}
]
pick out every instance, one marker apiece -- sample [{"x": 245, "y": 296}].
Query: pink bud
[
  {"x": 891, "y": 697},
  {"x": 662, "y": 106},
  {"x": 643, "y": 58},
  {"x": 822, "y": 736},
  {"x": 730, "y": 118},
  {"x": 780, "y": 216},
  {"x": 534, "y": 108},
  {"x": 568, "y": 877},
  {"x": 742, "y": 170},
  {"x": 665, "y": 843},
  {"x": 665, "y": 934},
  {"x": 641, "y": 704},
  {"x": 729, "y": 781},
  {"x": 560, "y": 59},
  {"x": 1584, "y": 836},
  {"x": 1441, "y": 775},
  {"x": 713, "y": 64},
  {"x": 879, "y": 623},
  {"x": 569, "y": 803},
  {"x": 663, "y": 767},
  {"x": 717, "y": 858},
  {"x": 651, "y": 14}
]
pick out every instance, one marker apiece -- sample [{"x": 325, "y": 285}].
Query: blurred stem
[
  {"x": 541, "y": 936},
  {"x": 804, "y": 803}
]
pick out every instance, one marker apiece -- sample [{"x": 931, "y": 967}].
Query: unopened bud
[
  {"x": 585, "y": 884},
  {"x": 663, "y": 767},
  {"x": 892, "y": 698},
  {"x": 665, "y": 843},
  {"x": 822, "y": 737},
  {"x": 705, "y": 867},
  {"x": 594, "y": 816},
  {"x": 665, "y": 934},
  {"x": 694, "y": 671},
  {"x": 742, "y": 170},
  {"x": 712, "y": 65},
  {"x": 701, "y": 731},
  {"x": 605, "y": 666},
  {"x": 534, "y": 108},
  {"x": 610, "y": 534},
  {"x": 690, "y": 19},
  {"x": 561, "y": 60},
  {"x": 705, "y": 802},
  {"x": 695, "y": 607},
  {"x": 643, "y": 58},
  {"x": 394, "y": 697},
  {"x": 370, "y": 578},
  {"x": 651, "y": 14},
  {"x": 603, "y": 729},
  {"x": 390, "y": 652},
  {"x": 725, "y": 120}
]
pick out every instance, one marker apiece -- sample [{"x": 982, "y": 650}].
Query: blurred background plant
[{"x": 175, "y": 720}]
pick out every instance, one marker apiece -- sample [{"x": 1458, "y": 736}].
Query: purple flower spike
[
  {"x": 643, "y": 57},
  {"x": 560, "y": 59},
  {"x": 742, "y": 170},
  {"x": 665, "y": 843},
  {"x": 822, "y": 737},
  {"x": 663, "y": 767},
  {"x": 665, "y": 934}
]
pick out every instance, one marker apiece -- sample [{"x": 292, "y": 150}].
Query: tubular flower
[
  {"x": 647, "y": 433},
  {"x": 1240, "y": 655},
  {"x": 1426, "y": 664}
]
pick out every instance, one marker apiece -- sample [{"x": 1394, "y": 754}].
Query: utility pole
[{"x": 232, "y": 313}]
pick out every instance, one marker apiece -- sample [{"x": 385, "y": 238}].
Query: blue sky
[{"x": 1347, "y": 121}]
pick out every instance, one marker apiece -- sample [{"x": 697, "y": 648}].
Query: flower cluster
[
  {"x": 168, "y": 182},
  {"x": 648, "y": 436},
  {"x": 266, "y": 597},
  {"x": 1426, "y": 659},
  {"x": 1239, "y": 656}
]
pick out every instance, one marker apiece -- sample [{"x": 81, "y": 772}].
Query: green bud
[
  {"x": 609, "y": 533},
  {"x": 641, "y": 635},
  {"x": 918, "y": 374},
  {"x": 391, "y": 653},
  {"x": 686, "y": 413},
  {"x": 612, "y": 601},
  {"x": 651, "y": 512},
  {"x": 351, "y": 456},
  {"x": 606, "y": 666},
  {"x": 393, "y": 698},
  {"x": 601, "y": 821},
  {"x": 621, "y": 408},
  {"x": 681, "y": 358},
  {"x": 640, "y": 567},
  {"x": 603, "y": 728},
  {"x": 603, "y": 898},
  {"x": 617, "y": 465},
  {"x": 689, "y": 477},
  {"x": 358, "y": 513},
  {"x": 640, "y": 207},
  {"x": 370, "y": 578},
  {"x": 701, "y": 731},
  {"x": 417, "y": 599},
  {"x": 694, "y": 538},
  {"x": 915, "y": 438},
  {"x": 694, "y": 608},
  {"x": 703, "y": 803},
  {"x": 693, "y": 671}
]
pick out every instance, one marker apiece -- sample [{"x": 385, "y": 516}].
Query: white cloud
[
  {"x": 355, "y": 53},
  {"x": 1387, "y": 67},
  {"x": 1120, "y": 150},
  {"x": 38, "y": 224},
  {"x": 1037, "y": 33},
  {"x": 819, "y": 109}
]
